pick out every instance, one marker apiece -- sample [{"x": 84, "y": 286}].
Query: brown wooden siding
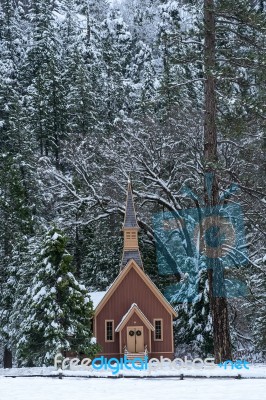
[{"x": 131, "y": 290}]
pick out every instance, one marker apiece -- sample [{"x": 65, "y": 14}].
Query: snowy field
[
  {"x": 131, "y": 389},
  {"x": 254, "y": 371}
]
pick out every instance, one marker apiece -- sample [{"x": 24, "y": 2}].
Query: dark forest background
[{"x": 92, "y": 93}]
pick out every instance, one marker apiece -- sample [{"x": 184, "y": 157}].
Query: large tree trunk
[
  {"x": 7, "y": 358},
  {"x": 218, "y": 301}
]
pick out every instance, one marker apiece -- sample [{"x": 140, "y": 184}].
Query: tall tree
[
  {"x": 15, "y": 181},
  {"x": 218, "y": 300}
]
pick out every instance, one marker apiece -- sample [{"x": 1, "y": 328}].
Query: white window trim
[{"x": 154, "y": 333}]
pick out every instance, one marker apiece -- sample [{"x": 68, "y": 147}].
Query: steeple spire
[
  {"x": 130, "y": 229},
  {"x": 130, "y": 220}
]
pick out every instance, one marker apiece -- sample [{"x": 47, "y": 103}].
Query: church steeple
[{"x": 130, "y": 229}]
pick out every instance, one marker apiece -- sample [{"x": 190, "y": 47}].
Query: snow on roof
[
  {"x": 135, "y": 306},
  {"x": 124, "y": 317},
  {"x": 96, "y": 297}
]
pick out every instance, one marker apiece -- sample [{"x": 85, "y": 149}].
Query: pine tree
[
  {"x": 116, "y": 47},
  {"x": 18, "y": 273},
  {"x": 56, "y": 309},
  {"x": 142, "y": 80},
  {"x": 82, "y": 74},
  {"x": 43, "y": 80},
  {"x": 258, "y": 283},
  {"x": 102, "y": 255},
  {"x": 180, "y": 81},
  {"x": 142, "y": 17},
  {"x": 15, "y": 186},
  {"x": 193, "y": 328}
]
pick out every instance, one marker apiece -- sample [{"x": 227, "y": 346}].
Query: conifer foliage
[
  {"x": 57, "y": 309},
  {"x": 90, "y": 92}
]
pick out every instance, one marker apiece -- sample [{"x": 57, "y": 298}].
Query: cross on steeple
[{"x": 130, "y": 229}]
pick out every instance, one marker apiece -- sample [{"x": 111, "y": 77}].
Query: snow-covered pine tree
[
  {"x": 142, "y": 79},
  {"x": 42, "y": 78},
  {"x": 19, "y": 271},
  {"x": 56, "y": 309},
  {"x": 16, "y": 200},
  {"x": 102, "y": 254},
  {"x": 142, "y": 19},
  {"x": 258, "y": 284},
  {"x": 193, "y": 328},
  {"x": 240, "y": 38},
  {"x": 180, "y": 86},
  {"x": 116, "y": 46},
  {"x": 81, "y": 57}
]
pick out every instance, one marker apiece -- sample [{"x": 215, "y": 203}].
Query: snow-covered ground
[
  {"x": 93, "y": 384},
  {"x": 130, "y": 389},
  {"x": 254, "y": 371}
]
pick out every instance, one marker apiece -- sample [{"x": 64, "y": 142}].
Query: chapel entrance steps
[
  {"x": 132, "y": 356},
  {"x": 141, "y": 354}
]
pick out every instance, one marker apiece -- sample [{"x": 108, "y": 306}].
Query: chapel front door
[{"x": 135, "y": 339}]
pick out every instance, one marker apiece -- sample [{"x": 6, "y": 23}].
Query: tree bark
[
  {"x": 7, "y": 358},
  {"x": 217, "y": 295}
]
